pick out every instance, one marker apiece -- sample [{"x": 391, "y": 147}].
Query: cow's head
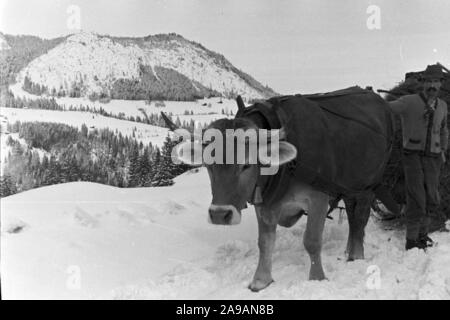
[{"x": 233, "y": 184}]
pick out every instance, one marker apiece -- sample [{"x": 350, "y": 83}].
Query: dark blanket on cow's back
[
  {"x": 343, "y": 139},
  {"x": 355, "y": 104}
]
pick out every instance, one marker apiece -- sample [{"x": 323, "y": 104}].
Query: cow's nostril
[
  {"x": 228, "y": 216},
  {"x": 220, "y": 216}
]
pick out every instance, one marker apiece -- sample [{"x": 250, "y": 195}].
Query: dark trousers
[{"x": 422, "y": 194}]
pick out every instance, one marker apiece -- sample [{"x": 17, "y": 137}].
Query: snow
[
  {"x": 143, "y": 132},
  {"x": 86, "y": 240},
  {"x": 98, "y": 61},
  {"x": 195, "y": 63},
  {"x": 202, "y": 109},
  {"x": 5, "y": 148},
  {"x": 84, "y": 57}
]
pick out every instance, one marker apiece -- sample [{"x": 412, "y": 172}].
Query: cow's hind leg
[
  {"x": 312, "y": 239},
  {"x": 358, "y": 213},
  {"x": 266, "y": 243}
]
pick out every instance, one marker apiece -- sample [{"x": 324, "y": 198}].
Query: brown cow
[{"x": 335, "y": 145}]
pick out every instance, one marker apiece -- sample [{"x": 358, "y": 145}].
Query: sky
[{"x": 294, "y": 46}]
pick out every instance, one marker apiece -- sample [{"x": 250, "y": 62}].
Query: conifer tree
[
  {"x": 167, "y": 169},
  {"x": 145, "y": 168},
  {"x": 7, "y": 186},
  {"x": 134, "y": 170}
]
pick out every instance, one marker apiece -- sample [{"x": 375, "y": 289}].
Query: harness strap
[{"x": 429, "y": 112}]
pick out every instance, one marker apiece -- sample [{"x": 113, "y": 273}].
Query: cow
[{"x": 332, "y": 146}]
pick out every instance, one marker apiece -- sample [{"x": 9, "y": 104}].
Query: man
[{"x": 425, "y": 143}]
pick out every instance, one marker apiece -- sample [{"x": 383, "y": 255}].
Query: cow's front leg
[
  {"x": 266, "y": 243},
  {"x": 312, "y": 239}
]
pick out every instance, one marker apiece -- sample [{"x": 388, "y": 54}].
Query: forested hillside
[
  {"x": 23, "y": 49},
  {"x": 71, "y": 154}
]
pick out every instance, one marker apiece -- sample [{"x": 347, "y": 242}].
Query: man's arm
[
  {"x": 399, "y": 105},
  {"x": 444, "y": 132}
]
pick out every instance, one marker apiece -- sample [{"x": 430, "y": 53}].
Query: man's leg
[
  {"x": 434, "y": 219},
  {"x": 415, "y": 195}
]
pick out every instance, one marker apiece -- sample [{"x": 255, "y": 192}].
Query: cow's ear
[
  {"x": 286, "y": 152},
  {"x": 188, "y": 152}
]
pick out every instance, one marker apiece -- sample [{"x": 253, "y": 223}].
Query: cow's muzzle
[{"x": 223, "y": 214}]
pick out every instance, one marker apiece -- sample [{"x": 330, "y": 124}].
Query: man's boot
[
  {"x": 416, "y": 243},
  {"x": 426, "y": 240}
]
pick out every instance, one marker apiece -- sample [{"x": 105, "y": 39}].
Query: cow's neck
[
  {"x": 267, "y": 115},
  {"x": 263, "y": 181}
]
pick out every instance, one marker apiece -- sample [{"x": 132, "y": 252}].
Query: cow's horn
[
  {"x": 172, "y": 126},
  {"x": 240, "y": 103}
]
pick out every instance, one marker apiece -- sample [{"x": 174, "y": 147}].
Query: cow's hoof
[
  {"x": 319, "y": 276},
  {"x": 355, "y": 252},
  {"x": 258, "y": 285},
  {"x": 353, "y": 257}
]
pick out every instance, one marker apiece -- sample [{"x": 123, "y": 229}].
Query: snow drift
[{"x": 85, "y": 240}]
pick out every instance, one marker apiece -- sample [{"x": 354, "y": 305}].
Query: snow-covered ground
[
  {"x": 85, "y": 240},
  {"x": 143, "y": 132},
  {"x": 204, "y": 110}
]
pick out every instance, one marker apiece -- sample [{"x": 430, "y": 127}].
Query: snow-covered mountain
[
  {"x": 86, "y": 63},
  {"x": 85, "y": 240}
]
